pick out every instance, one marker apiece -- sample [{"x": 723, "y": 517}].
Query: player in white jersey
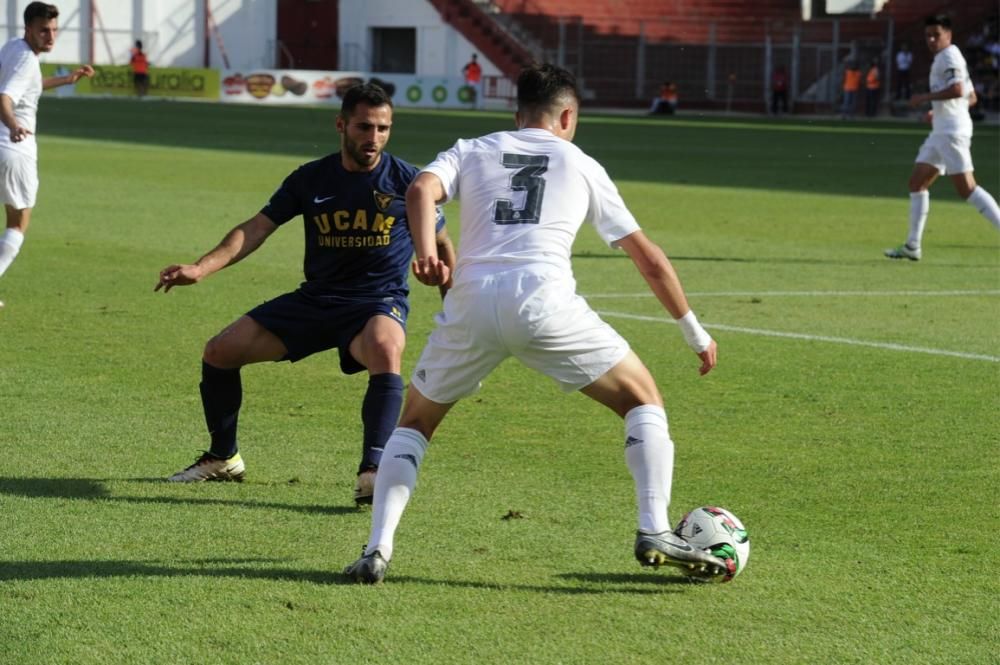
[
  {"x": 524, "y": 196},
  {"x": 21, "y": 85},
  {"x": 948, "y": 148}
]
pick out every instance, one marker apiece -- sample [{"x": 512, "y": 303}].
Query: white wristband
[{"x": 696, "y": 336}]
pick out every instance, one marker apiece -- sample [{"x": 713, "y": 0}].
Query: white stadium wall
[
  {"x": 173, "y": 33},
  {"x": 441, "y": 50}
]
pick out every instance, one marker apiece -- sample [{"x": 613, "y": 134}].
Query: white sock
[
  {"x": 920, "y": 205},
  {"x": 649, "y": 454},
  {"x": 10, "y": 244},
  {"x": 394, "y": 483},
  {"x": 986, "y": 205}
]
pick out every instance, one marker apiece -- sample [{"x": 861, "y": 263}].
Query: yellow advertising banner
[{"x": 163, "y": 81}]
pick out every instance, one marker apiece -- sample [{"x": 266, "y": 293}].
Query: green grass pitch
[{"x": 851, "y": 423}]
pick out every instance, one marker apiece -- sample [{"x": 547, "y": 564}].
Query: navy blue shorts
[{"x": 309, "y": 324}]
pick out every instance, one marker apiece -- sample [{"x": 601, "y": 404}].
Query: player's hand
[
  {"x": 709, "y": 358},
  {"x": 917, "y": 101},
  {"x": 431, "y": 271},
  {"x": 177, "y": 275},
  {"x": 19, "y": 133},
  {"x": 86, "y": 70}
]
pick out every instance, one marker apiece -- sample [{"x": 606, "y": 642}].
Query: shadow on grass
[
  {"x": 95, "y": 489},
  {"x": 593, "y": 584},
  {"x": 215, "y": 568},
  {"x": 263, "y": 569},
  {"x": 649, "y": 577}
]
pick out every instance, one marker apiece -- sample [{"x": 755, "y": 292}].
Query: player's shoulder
[
  {"x": 14, "y": 44},
  {"x": 394, "y": 173},
  {"x": 15, "y": 50},
  {"x": 398, "y": 166},
  {"x": 952, "y": 55},
  {"x": 484, "y": 142},
  {"x": 321, "y": 167}
]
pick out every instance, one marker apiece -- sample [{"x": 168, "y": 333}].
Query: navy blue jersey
[{"x": 357, "y": 239}]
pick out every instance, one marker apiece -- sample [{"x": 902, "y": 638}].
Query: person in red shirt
[
  {"x": 873, "y": 86},
  {"x": 140, "y": 69},
  {"x": 473, "y": 73}
]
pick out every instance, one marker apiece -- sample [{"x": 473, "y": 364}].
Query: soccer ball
[{"x": 721, "y": 533}]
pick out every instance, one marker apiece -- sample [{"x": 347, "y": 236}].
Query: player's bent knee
[
  {"x": 381, "y": 354},
  {"x": 386, "y": 351},
  {"x": 217, "y": 354}
]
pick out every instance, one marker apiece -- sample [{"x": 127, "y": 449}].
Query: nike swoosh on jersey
[{"x": 317, "y": 199}]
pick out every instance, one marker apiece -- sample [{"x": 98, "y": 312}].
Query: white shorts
[
  {"x": 949, "y": 153},
  {"x": 18, "y": 179},
  {"x": 536, "y": 318}
]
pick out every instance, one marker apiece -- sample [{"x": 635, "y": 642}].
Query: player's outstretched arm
[
  {"x": 67, "y": 79},
  {"x": 656, "y": 269},
  {"x": 422, "y": 197},
  {"x": 240, "y": 242}
]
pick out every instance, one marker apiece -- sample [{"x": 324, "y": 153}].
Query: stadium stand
[{"x": 603, "y": 40}]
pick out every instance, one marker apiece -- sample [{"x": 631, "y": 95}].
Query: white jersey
[
  {"x": 951, "y": 116},
  {"x": 525, "y": 195},
  {"x": 21, "y": 80}
]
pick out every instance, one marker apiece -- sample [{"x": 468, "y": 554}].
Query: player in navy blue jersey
[{"x": 354, "y": 297}]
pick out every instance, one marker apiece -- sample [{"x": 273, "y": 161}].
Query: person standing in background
[
  {"x": 473, "y": 73},
  {"x": 779, "y": 90},
  {"x": 873, "y": 87},
  {"x": 904, "y": 61},
  {"x": 139, "y": 64},
  {"x": 851, "y": 85}
]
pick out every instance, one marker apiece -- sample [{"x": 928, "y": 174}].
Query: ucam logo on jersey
[{"x": 382, "y": 200}]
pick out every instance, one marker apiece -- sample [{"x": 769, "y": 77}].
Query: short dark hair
[
  {"x": 540, "y": 87},
  {"x": 39, "y": 10},
  {"x": 365, "y": 93},
  {"x": 938, "y": 19}
]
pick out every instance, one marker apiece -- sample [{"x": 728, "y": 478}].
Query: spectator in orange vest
[
  {"x": 473, "y": 73},
  {"x": 873, "y": 86},
  {"x": 140, "y": 70},
  {"x": 666, "y": 103},
  {"x": 852, "y": 83}
]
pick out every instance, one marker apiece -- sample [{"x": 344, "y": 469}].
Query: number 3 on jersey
[{"x": 527, "y": 179}]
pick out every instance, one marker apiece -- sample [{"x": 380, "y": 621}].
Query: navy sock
[
  {"x": 221, "y": 396},
  {"x": 379, "y": 413}
]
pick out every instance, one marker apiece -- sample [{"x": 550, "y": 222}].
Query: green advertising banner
[{"x": 163, "y": 81}]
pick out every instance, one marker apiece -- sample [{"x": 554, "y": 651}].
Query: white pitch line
[
  {"x": 816, "y": 338},
  {"x": 835, "y": 294}
]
